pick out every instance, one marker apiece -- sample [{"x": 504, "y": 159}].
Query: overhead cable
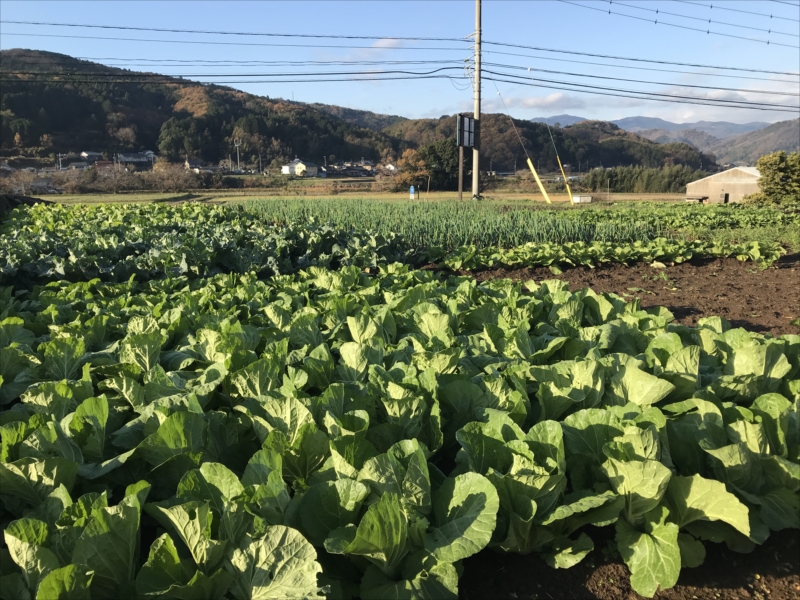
[
  {"x": 658, "y": 11},
  {"x": 210, "y": 43},
  {"x": 704, "y": 87},
  {"x": 657, "y": 22},
  {"x": 239, "y": 33},
  {"x": 748, "y": 12},
  {"x": 719, "y": 101},
  {"x": 646, "y": 60},
  {"x": 597, "y": 93}
]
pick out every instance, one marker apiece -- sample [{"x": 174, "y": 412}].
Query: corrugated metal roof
[{"x": 749, "y": 170}]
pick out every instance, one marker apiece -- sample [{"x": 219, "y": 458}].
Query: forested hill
[
  {"x": 77, "y": 109},
  {"x": 55, "y": 103},
  {"x": 597, "y": 143}
]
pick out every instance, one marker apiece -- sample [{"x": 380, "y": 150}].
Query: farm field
[
  {"x": 346, "y": 194},
  {"x": 285, "y": 398}
]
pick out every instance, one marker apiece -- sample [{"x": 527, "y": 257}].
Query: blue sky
[{"x": 544, "y": 23}]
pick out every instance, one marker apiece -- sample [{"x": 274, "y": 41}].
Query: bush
[{"x": 780, "y": 178}]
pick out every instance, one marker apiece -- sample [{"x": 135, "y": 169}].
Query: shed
[{"x": 727, "y": 186}]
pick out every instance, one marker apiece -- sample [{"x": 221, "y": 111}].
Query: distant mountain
[
  {"x": 694, "y": 137},
  {"x": 56, "y": 107},
  {"x": 563, "y": 120},
  {"x": 360, "y": 118},
  {"x": 592, "y": 143},
  {"x": 719, "y": 129},
  {"x": 746, "y": 149}
]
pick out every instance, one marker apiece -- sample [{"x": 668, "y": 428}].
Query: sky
[{"x": 557, "y": 27}]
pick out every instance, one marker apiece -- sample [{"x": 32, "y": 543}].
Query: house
[
  {"x": 5, "y": 168},
  {"x": 134, "y": 159},
  {"x": 89, "y": 156},
  {"x": 103, "y": 165},
  {"x": 355, "y": 171},
  {"x": 81, "y": 165},
  {"x": 727, "y": 186},
  {"x": 391, "y": 168},
  {"x": 300, "y": 168},
  {"x": 193, "y": 163}
]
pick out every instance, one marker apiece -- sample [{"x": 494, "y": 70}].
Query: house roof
[
  {"x": 753, "y": 171},
  {"x": 300, "y": 161}
]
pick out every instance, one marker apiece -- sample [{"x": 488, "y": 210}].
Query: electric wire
[
  {"x": 661, "y": 62},
  {"x": 596, "y": 93},
  {"x": 672, "y": 14},
  {"x": 214, "y": 43},
  {"x": 385, "y": 72},
  {"x": 232, "y": 62},
  {"x": 657, "y": 22},
  {"x": 237, "y": 33},
  {"x": 749, "y": 12},
  {"x": 584, "y": 62},
  {"x": 514, "y": 125},
  {"x": 721, "y": 101},
  {"x": 704, "y": 87}
]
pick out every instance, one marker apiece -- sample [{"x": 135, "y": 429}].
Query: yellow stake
[
  {"x": 564, "y": 175},
  {"x": 539, "y": 182}
]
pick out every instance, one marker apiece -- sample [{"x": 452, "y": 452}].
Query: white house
[
  {"x": 300, "y": 168},
  {"x": 90, "y": 156}
]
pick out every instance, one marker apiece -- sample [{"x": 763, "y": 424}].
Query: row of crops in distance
[
  {"x": 450, "y": 224},
  {"x": 114, "y": 243}
]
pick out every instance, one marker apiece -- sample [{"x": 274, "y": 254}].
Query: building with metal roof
[{"x": 727, "y": 186}]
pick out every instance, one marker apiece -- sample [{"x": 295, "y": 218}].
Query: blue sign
[{"x": 411, "y": 192}]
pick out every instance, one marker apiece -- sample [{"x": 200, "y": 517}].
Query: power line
[
  {"x": 207, "y": 43},
  {"x": 672, "y": 14},
  {"x": 660, "y": 62},
  {"x": 553, "y": 87},
  {"x": 717, "y": 101},
  {"x": 748, "y": 12},
  {"x": 539, "y": 49},
  {"x": 787, "y": 3},
  {"x": 583, "y": 62},
  {"x": 706, "y": 31},
  {"x": 223, "y": 83},
  {"x": 232, "y": 62},
  {"x": 239, "y": 33},
  {"x": 705, "y": 87},
  {"x": 152, "y": 75},
  {"x": 498, "y": 65}
]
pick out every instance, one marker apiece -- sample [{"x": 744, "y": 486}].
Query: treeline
[{"x": 636, "y": 180}]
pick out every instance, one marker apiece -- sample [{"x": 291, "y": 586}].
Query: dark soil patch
[
  {"x": 762, "y": 301},
  {"x": 770, "y": 571}
]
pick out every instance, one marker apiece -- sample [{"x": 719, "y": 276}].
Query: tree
[
  {"x": 413, "y": 170},
  {"x": 780, "y": 178},
  {"x": 441, "y": 162},
  {"x": 17, "y": 140}
]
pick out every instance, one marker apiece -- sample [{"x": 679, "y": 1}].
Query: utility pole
[
  {"x": 237, "y": 143},
  {"x": 476, "y": 154}
]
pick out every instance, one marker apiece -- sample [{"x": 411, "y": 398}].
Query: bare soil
[
  {"x": 770, "y": 571},
  {"x": 760, "y": 301}
]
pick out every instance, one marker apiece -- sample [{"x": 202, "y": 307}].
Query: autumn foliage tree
[{"x": 412, "y": 169}]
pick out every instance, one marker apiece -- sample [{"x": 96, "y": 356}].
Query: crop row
[
  {"x": 331, "y": 433},
  {"x": 451, "y": 224},
  {"x": 113, "y": 243}
]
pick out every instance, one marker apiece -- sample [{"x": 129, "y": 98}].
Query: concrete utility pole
[
  {"x": 237, "y": 143},
  {"x": 476, "y": 154}
]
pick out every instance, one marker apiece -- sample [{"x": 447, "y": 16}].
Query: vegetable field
[{"x": 203, "y": 402}]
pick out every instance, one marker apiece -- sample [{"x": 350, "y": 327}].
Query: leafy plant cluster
[
  {"x": 115, "y": 242},
  {"x": 335, "y": 433}
]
